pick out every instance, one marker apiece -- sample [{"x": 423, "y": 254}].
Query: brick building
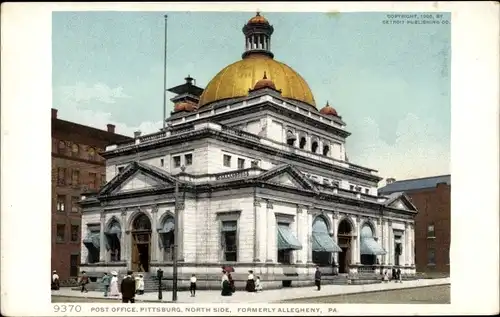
[
  {"x": 431, "y": 196},
  {"x": 76, "y": 167}
]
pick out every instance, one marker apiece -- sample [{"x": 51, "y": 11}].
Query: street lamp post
[
  {"x": 176, "y": 241},
  {"x": 160, "y": 275}
]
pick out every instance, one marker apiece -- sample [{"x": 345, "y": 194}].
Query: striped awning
[
  {"x": 286, "y": 239},
  {"x": 369, "y": 246},
  {"x": 322, "y": 242}
]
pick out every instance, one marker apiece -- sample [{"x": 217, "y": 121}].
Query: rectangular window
[
  {"x": 229, "y": 238},
  {"x": 61, "y": 176},
  {"x": 75, "y": 177},
  {"x": 241, "y": 163},
  {"x": 162, "y": 162},
  {"x": 431, "y": 257},
  {"x": 177, "y": 161},
  {"x": 73, "y": 269},
  {"x": 61, "y": 203},
  {"x": 93, "y": 181},
  {"x": 75, "y": 232},
  {"x": 351, "y": 187},
  {"x": 430, "y": 231},
  {"x": 120, "y": 169},
  {"x": 189, "y": 159},
  {"x": 103, "y": 179},
  {"x": 227, "y": 160},
  {"x": 367, "y": 191},
  {"x": 60, "y": 232},
  {"x": 74, "y": 204}
]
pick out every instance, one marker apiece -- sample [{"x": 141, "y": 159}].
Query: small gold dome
[
  {"x": 258, "y": 19},
  {"x": 264, "y": 83},
  {"x": 184, "y": 106},
  {"x": 328, "y": 110},
  {"x": 236, "y": 79}
]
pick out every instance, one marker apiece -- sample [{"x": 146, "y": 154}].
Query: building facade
[
  {"x": 431, "y": 196},
  {"x": 264, "y": 184},
  {"x": 76, "y": 167}
]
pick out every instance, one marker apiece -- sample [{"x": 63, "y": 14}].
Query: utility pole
[
  {"x": 176, "y": 241},
  {"x": 165, "y": 77}
]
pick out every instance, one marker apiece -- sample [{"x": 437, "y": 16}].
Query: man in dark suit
[{"x": 128, "y": 288}]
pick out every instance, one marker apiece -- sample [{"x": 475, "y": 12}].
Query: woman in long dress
[
  {"x": 139, "y": 284},
  {"x": 250, "y": 282},
  {"x": 113, "y": 285}
]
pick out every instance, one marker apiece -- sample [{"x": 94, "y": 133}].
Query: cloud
[
  {"x": 418, "y": 150},
  {"x": 81, "y": 92}
]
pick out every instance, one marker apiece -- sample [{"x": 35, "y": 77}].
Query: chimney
[
  {"x": 137, "y": 134},
  {"x": 54, "y": 113},
  {"x": 111, "y": 128},
  {"x": 390, "y": 180}
]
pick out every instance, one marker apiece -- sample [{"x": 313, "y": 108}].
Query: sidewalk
[{"x": 269, "y": 296}]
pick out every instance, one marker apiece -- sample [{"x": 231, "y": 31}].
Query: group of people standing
[
  {"x": 396, "y": 276},
  {"x": 228, "y": 288},
  {"x": 130, "y": 286}
]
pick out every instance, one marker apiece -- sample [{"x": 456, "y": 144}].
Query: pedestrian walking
[
  {"x": 55, "y": 281},
  {"x": 192, "y": 286},
  {"x": 128, "y": 288},
  {"x": 258, "y": 284},
  {"x": 106, "y": 280},
  {"x": 113, "y": 285},
  {"x": 231, "y": 282},
  {"x": 84, "y": 280},
  {"x": 317, "y": 278},
  {"x": 139, "y": 284},
  {"x": 250, "y": 287},
  {"x": 398, "y": 272}
]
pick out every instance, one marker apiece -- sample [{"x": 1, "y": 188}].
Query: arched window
[
  {"x": 290, "y": 138},
  {"x": 91, "y": 153},
  {"x": 302, "y": 143},
  {"x": 113, "y": 235},
  {"x": 326, "y": 150},
  {"x": 142, "y": 223},
  {"x": 314, "y": 146},
  {"x": 167, "y": 238},
  {"x": 321, "y": 239},
  {"x": 75, "y": 149},
  {"x": 61, "y": 148}
]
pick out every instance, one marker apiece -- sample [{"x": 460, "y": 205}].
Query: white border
[{"x": 26, "y": 100}]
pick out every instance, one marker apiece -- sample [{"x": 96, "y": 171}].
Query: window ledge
[
  {"x": 60, "y": 242},
  {"x": 431, "y": 238},
  {"x": 431, "y": 264}
]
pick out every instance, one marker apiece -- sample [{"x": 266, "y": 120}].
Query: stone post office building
[{"x": 265, "y": 184}]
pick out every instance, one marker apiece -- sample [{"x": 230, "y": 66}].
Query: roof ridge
[{"x": 420, "y": 178}]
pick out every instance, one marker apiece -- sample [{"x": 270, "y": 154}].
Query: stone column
[
  {"x": 257, "y": 240},
  {"x": 412, "y": 245},
  {"x": 102, "y": 245},
  {"x": 180, "y": 244},
  {"x": 335, "y": 225},
  {"x": 308, "y": 249},
  {"x": 154, "y": 234},
  {"x": 358, "y": 240},
  {"x": 272, "y": 251},
  {"x": 379, "y": 236},
  {"x": 299, "y": 227},
  {"x": 123, "y": 242},
  {"x": 385, "y": 238},
  {"x": 407, "y": 252},
  {"x": 390, "y": 241}
]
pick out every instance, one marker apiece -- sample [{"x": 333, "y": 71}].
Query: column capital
[
  {"x": 358, "y": 219},
  {"x": 123, "y": 211},
  {"x": 269, "y": 204},
  {"x": 336, "y": 215},
  {"x": 256, "y": 202},
  {"x": 154, "y": 209},
  {"x": 103, "y": 214},
  {"x": 300, "y": 208}
]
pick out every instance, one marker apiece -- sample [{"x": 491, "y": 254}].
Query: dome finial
[
  {"x": 265, "y": 77},
  {"x": 327, "y": 104},
  {"x": 258, "y": 13}
]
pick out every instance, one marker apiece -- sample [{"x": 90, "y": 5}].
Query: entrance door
[{"x": 141, "y": 244}]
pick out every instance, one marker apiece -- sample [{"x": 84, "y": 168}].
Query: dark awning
[
  {"x": 286, "y": 239},
  {"x": 368, "y": 245},
  {"x": 114, "y": 230},
  {"x": 92, "y": 240},
  {"x": 322, "y": 242}
]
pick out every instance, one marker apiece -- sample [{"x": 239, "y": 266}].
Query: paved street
[
  {"x": 423, "y": 295},
  {"x": 435, "y": 290}
]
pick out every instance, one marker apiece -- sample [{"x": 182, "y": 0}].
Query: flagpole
[{"x": 165, "y": 76}]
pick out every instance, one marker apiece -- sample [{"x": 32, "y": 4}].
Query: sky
[{"x": 389, "y": 82}]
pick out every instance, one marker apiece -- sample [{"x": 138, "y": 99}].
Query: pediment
[
  {"x": 138, "y": 181},
  {"x": 138, "y": 176},
  {"x": 400, "y": 201},
  {"x": 399, "y": 204},
  {"x": 288, "y": 176}
]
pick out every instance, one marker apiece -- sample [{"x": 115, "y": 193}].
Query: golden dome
[
  {"x": 236, "y": 79},
  {"x": 328, "y": 110},
  {"x": 258, "y": 19},
  {"x": 264, "y": 83}
]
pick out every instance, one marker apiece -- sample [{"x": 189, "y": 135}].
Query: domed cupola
[
  {"x": 328, "y": 110},
  {"x": 258, "y": 33}
]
